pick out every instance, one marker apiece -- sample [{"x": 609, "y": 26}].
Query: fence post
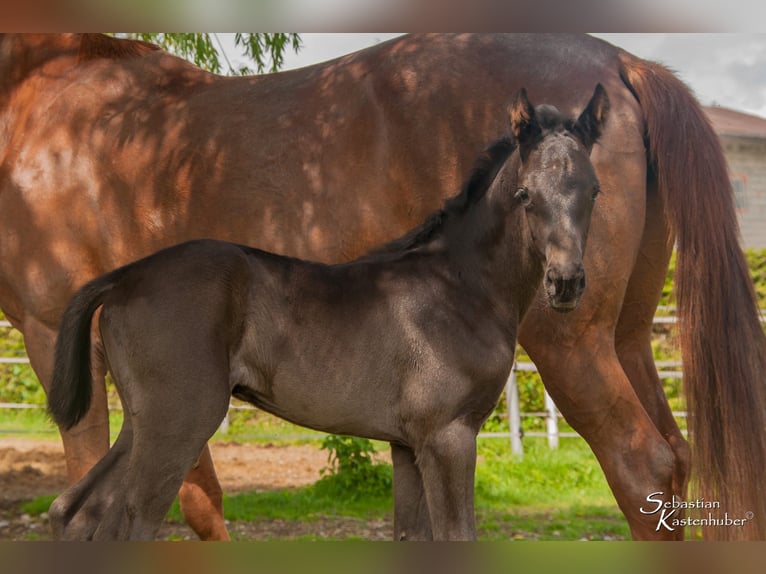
[
  {"x": 514, "y": 412},
  {"x": 226, "y": 422},
  {"x": 552, "y": 422}
]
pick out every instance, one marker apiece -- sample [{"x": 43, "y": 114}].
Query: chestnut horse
[
  {"x": 112, "y": 150},
  {"x": 414, "y": 342}
]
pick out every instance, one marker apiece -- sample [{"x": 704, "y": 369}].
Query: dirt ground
[{"x": 32, "y": 468}]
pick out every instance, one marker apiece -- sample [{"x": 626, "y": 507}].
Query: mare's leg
[
  {"x": 447, "y": 462},
  {"x": 201, "y": 499},
  {"x": 411, "y": 519},
  {"x": 88, "y": 441},
  {"x": 633, "y": 336},
  {"x": 586, "y": 380}
]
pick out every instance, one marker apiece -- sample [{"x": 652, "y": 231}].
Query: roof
[{"x": 728, "y": 122}]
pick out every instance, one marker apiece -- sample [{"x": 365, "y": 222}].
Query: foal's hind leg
[
  {"x": 152, "y": 485},
  {"x": 170, "y": 430},
  {"x": 200, "y": 495},
  {"x": 174, "y": 389},
  {"x": 127, "y": 494},
  {"x": 411, "y": 519},
  {"x": 79, "y": 511}
]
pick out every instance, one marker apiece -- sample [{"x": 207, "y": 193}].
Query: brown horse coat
[{"x": 110, "y": 150}]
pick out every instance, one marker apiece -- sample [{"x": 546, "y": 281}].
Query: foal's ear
[
  {"x": 524, "y": 125},
  {"x": 592, "y": 120}
]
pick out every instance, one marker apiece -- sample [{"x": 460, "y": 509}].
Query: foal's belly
[{"x": 322, "y": 401}]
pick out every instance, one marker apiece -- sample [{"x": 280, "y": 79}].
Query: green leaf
[{"x": 266, "y": 50}]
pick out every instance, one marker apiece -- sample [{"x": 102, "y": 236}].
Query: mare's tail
[
  {"x": 722, "y": 343},
  {"x": 71, "y": 389}
]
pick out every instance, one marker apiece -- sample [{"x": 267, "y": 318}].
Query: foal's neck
[{"x": 490, "y": 248}]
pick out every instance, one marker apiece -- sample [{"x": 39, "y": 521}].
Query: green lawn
[
  {"x": 27, "y": 423},
  {"x": 549, "y": 495}
]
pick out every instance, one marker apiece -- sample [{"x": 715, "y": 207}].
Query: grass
[
  {"x": 38, "y": 505},
  {"x": 576, "y": 523},
  {"x": 570, "y": 473},
  {"x": 29, "y": 423},
  {"x": 548, "y": 495},
  {"x": 304, "y": 504},
  {"x": 36, "y": 424}
]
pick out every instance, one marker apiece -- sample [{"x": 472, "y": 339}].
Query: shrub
[{"x": 352, "y": 471}]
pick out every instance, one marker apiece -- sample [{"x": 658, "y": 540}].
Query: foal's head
[{"x": 557, "y": 186}]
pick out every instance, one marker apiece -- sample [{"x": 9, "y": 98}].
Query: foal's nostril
[{"x": 550, "y": 278}]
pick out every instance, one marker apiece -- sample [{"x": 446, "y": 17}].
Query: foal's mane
[
  {"x": 93, "y": 46},
  {"x": 475, "y": 187}
]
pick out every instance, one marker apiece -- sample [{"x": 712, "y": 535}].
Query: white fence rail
[{"x": 551, "y": 413}]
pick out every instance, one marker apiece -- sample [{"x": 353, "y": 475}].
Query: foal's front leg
[
  {"x": 447, "y": 462},
  {"x": 411, "y": 519}
]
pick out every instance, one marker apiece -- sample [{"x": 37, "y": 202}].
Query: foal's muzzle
[{"x": 564, "y": 287}]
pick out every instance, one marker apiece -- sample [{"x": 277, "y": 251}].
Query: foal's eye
[
  {"x": 595, "y": 194},
  {"x": 522, "y": 194}
]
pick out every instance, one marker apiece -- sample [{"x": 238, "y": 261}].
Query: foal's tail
[
  {"x": 71, "y": 389},
  {"x": 722, "y": 343}
]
